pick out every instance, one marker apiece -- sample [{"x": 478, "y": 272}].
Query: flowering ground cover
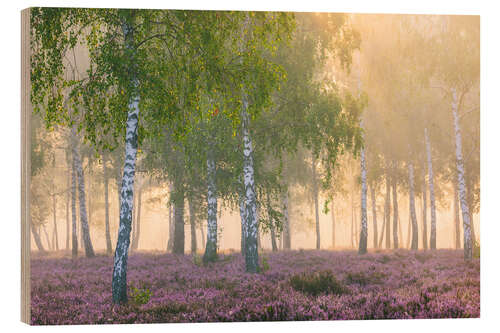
[{"x": 294, "y": 285}]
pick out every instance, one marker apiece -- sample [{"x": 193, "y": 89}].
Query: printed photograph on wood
[{"x": 214, "y": 166}]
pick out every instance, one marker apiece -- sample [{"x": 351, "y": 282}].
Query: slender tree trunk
[
  {"x": 274, "y": 245},
  {"x": 287, "y": 239},
  {"x": 424, "y": 215},
  {"x": 178, "y": 246},
  {"x": 431, "y": 191},
  {"x": 352, "y": 217},
  {"x": 36, "y": 237},
  {"x": 413, "y": 214},
  {"x": 89, "y": 191},
  {"x": 462, "y": 191},
  {"x": 55, "y": 240},
  {"x": 54, "y": 210},
  {"x": 89, "y": 250},
  {"x": 211, "y": 248},
  {"x": 387, "y": 210},
  {"x": 333, "y": 222},
  {"x": 192, "y": 222},
  {"x": 374, "y": 216},
  {"x": 316, "y": 204},
  {"x": 119, "y": 283},
  {"x": 457, "y": 216},
  {"x": 251, "y": 222},
  {"x": 74, "y": 235},
  {"x": 202, "y": 230},
  {"x": 106, "y": 207},
  {"x": 138, "y": 220},
  {"x": 171, "y": 225},
  {"x": 395, "y": 216},
  {"x": 363, "y": 236},
  {"x": 382, "y": 233},
  {"x": 68, "y": 199},
  {"x": 243, "y": 219},
  {"x": 49, "y": 245}
]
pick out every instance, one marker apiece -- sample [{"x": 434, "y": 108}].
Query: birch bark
[
  {"x": 374, "y": 216},
  {"x": 74, "y": 235},
  {"x": 106, "y": 206},
  {"x": 462, "y": 191},
  {"x": 387, "y": 210},
  {"x": 424, "y": 215},
  {"x": 363, "y": 235},
  {"x": 119, "y": 283},
  {"x": 413, "y": 214},
  {"x": 395, "y": 215},
  {"x": 89, "y": 250},
  {"x": 211, "y": 247},
  {"x": 316, "y": 204},
  {"x": 431, "y": 191},
  {"x": 287, "y": 239}
]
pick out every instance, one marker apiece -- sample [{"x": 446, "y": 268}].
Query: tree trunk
[
  {"x": 456, "y": 209},
  {"x": 68, "y": 199},
  {"x": 178, "y": 246},
  {"x": 333, "y": 222},
  {"x": 74, "y": 235},
  {"x": 243, "y": 219},
  {"x": 316, "y": 204},
  {"x": 119, "y": 283},
  {"x": 431, "y": 191},
  {"x": 89, "y": 250},
  {"x": 211, "y": 247},
  {"x": 89, "y": 191},
  {"x": 135, "y": 244},
  {"x": 55, "y": 240},
  {"x": 171, "y": 225},
  {"x": 387, "y": 210},
  {"x": 287, "y": 239},
  {"x": 374, "y": 216},
  {"x": 251, "y": 222},
  {"x": 462, "y": 192},
  {"x": 38, "y": 240},
  {"x": 192, "y": 222},
  {"x": 274, "y": 245},
  {"x": 49, "y": 245},
  {"x": 363, "y": 235},
  {"x": 395, "y": 216},
  {"x": 424, "y": 215},
  {"x": 413, "y": 214},
  {"x": 382, "y": 234},
  {"x": 106, "y": 206},
  {"x": 202, "y": 236}
]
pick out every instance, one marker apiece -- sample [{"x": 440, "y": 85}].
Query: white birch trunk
[
  {"x": 74, "y": 235},
  {"x": 211, "y": 245},
  {"x": 395, "y": 209},
  {"x": 89, "y": 251},
  {"x": 363, "y": 236},
  {"x": 413, "y": 214},
  {"x": 316, "y": 204},
  {"x": 243, "y": 219},
  {"x": 387, "y": 209},
  {"x": 119, "y": 283},
  {"x": 462, "y": 191},
  {"x": 251, "y": 230},
  {"x": 431, "y": 191},
  {"x": 287, "y": 239},
  {"x": 424, "y": 214},
  {"x": 374, "y": 216}
]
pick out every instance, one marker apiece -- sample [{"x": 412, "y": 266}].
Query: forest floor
[{"x": 293, "y": 285}]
